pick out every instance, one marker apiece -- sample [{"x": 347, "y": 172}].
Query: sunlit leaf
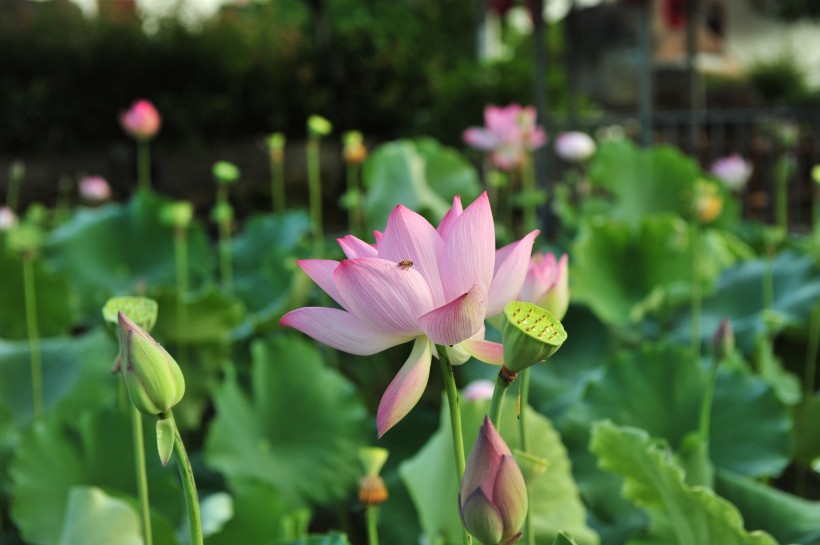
[{"x": 94, "y": 518}]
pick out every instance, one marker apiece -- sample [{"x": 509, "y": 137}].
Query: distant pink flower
[
  {"x": 142, "y": 121},
  {"x": 94, "y": 189},
  {"x": 478, "y": 390},
  {"x": 510, "y": 133},
  {"x": 8, "y": 218},
  {"x": 574, "y": 146},
  {"x": 416, "y": 283},
  {"x": 547, "y": 284},
  {"x": 733, "y": 170}
]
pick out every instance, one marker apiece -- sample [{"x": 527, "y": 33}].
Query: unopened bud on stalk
[
  {"x": 153, "y": 378},
  {"x": 530, "y": 335},
  {"x": 276, "y": 146},
  {"x": 177, "y": 214},
  {"x": 354, "y": 151},
  {"x": 225, "y": 172},
  {"x": 372, "y": 490},
  {"x": 222, "y": 212},
  {"x": 723, "y": 341},
  {"x": 318, "y": 126},
  {"x": 25, "y": 239}
]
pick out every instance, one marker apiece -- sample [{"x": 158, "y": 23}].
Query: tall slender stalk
[
  {"x": 455, "y": 421},
  {"x": 372, "y": 525},
  {"x": 525, "y": 444},
  {"x": 181, "y": 259},
  {"x": 315, "y": 189},
  {"x": 782, "y": 173},
  {"x": 278, "y": 189},
  {"x": 143, "y": 164},
  {"x": 142, "y": 474},
  {"x": 188, "y": 486},
  {"x": 355, "y": 214},
  {"x": 502, "y": 384},
  {"x": 224, "y": 223},
  {"x": 809, "y": 373},
  {"x": 29, "y": 290},
  {"x": 696, "y": 291}
]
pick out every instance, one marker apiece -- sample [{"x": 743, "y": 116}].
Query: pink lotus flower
[
  {"x": 492, "y": 499},
  {"x": 417, "y": 283},
  {"x": 547, "y": 284},
  {"x": 142, "y": 120},
  {"x": 733, "y": 170},
  {"x": 479, "y": 390},
  {"x": 575, "y": 147},
  {"x": 8, "y": 218},
  {"x": 94, "y": 189},
  {"x": 509, "y": 134}
]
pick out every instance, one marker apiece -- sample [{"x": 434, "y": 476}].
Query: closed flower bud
[
  {"x": 574, "y": 146},
  {"x": 547, "y": 284},
  {"x": 8, "y": 218},
  {"x": 177, "y": 214},
  {"x": 354, "y": 151},
  {"x": 94, "y": 189},
  {"x": 724, "y": 340},
  {"x": 276, "y": 147},
  {"x": 318, "y": 126},
  {"x": 530, "y": 334},
  {"x": 141, "y": 121},
  {"x": 493, "y": 497},
  {"x": 225, "y": 172},
  {"x": 154, "y": 379}
]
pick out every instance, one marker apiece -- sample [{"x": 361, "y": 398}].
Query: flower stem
[
  {"x": 143, "y": 164},
  {"x": 33, "y": 337},
  {"x": 142, "y": 475},
  {"x": 225, "y": 264},
  {"x": 181, "y": 258},
  {"x": 278, "y": 182},
  {"x": 502, "y": 383},
  {"x": 315, "y": 189},
  {"x": 372, "y": 526},
  {"x": 355, "y": 215},
  {"x": 782, "y": 174},
  {"x": 455, "y": 420},
  {"x": 188, "y": 486},
  {"x": 811, "y": 353},
  {"x": 525, "y": 444},
  {"x": 696, "y": 291}
]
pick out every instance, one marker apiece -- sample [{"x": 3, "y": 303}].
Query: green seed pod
[
  {"x": 318, "y": 126},
  {"x": 225, "y": 172},
  {"x": 177, "y": 214},
  {"x": 153, "y": 378},
  {"x": 530, "y": 334}
]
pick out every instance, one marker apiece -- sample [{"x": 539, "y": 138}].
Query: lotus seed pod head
[
  {"x": 225, "y": 172},
  {"x": 354, "y": 151},
  {"x": 177, "y": 214},
  {"x": 222, "y": 212},
  {"x": 724, "y": 340},
  {"x": 372, "y": 490},
  {"x": 479, "y": 390},
  {"x": 142, "y": 311},
  {"x": 530, "y": 334},
  {"x": 318, "y": 126},
  {"x": 142, "y": 120},
  {"x": 276, "y": 141},
  {"x": 26, "y": 238},
  {"x": 153, "y": 378},
  {"x": 815, "y": 173},
  {"x": 373, "y": 459},
  {"x": 8, "y": 218},
  {"x": 493, "y": 496}
]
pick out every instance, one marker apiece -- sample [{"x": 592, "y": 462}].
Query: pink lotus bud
[
  {"x": 723, "y": 341},
  {"x": 493, "y": 497},
  {"x": 575, "y": 147},
  {"x": 547, "y": 284},
  {"x": 94, "y": 189},
  {"x": 733, "y": 170},
  {"x": 478, "y": 390},
  {"x": 142, "y": 121},
  {"x": 8, "y": 218}
]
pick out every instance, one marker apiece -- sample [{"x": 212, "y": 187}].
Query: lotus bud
[
  {"x": 724, "y": 340},
  {"x": 530, "y": 334},
  {"x": 225, "y": 173},
  {"x": 141, "y": 121},
  {"x": 372, "y": 490},
  {"x": 734, "y": 171},
  {"x": 8, "y": 218},
  {"x": 574, "y": 146},
  {"x": 276, "y": 146},
  {"x": 479, "y": 390},
  {"x": 318, "y": 126},
  {"x": 354, "y": 151},
  {"x": 154, "y": 379},
  {"x": 94, "y": 189},
  {"x": 493, "y": 497},
  {"x": 177, "y": 214}
]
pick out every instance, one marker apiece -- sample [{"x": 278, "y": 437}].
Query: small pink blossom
[
  {"x": 416, "y": 283},
  {"x": 574, "y": 146},
  {"x": 94, "y": 189},
  {"x": 547, "y": 284},
  {"x": 510, "y": 132},
  {"x": 478, "y": 390},
  {"x": 733, "y": 170},
  {"x": 142, "y": 121},
  {"x": 8, "y": 218}
]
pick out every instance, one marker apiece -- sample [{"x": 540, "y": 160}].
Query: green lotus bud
[
  {"x": 530, "y": 334},
  {"x": 318, "y": 126},
  {"x": 276, "y": 141},
  {"x": 493, "y": 497},
  {"x": 222, "y": 212},
  {"x": 724, "y": 340},
  {"x": 225, "y": 172},
  {"x": 154, "y": 379},
  {"x": 177, "y": 214}
]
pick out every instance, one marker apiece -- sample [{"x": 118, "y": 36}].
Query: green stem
[
  {"x": 181, "y": 258},
  {"x": 811, "y": 353},
  {"x": 706, "y": 405},
  {"x": 355, "y": 213},
  {"x": 455, "y": 420},
  {"x": 502, "y": 383},
  {"x": 768, "y": 281},
  {"x": 142, "y": 475},
  {"x": 188, "y": 486},
  {"x": 143, "y": 164},
  {"x": 315, "y": 188},
  {"x": 372, "y": 526},
  {"x": 696, "y": 291},
  {"x": 525, "y": 444},
  {"x": 33, "y": 338},
  {"x": 278, "y": 190},
  {"x": 783, "y": 170},
  {"x": 225, "y": 264}
]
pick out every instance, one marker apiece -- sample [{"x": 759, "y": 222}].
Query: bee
[{"x": 405, "y": 264}]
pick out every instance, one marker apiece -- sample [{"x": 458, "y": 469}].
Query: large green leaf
[
  {"x": 419, "y": 174},
  {"x": 300, "y": 429},
  {"x": 660, "y": 389},
  {"x": 54, "y": 304},
  {"x": 93, "y": 449},
  {"x": 95, "y": 518},
  {"x": 554, "y": 501},
  {"x": 333, "y": 538},
  {"x": 211, "y": 317},
  {"x": 76, "y": 374},
  {"x": 788, "y": 518},
  {"x": 115, "y": 249},
  {"x": 680, "y": 514}
]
